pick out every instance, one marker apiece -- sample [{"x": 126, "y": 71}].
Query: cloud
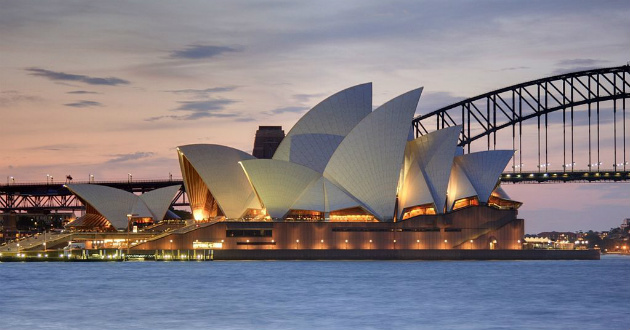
[
  {"x": 202, "y": 93},
  {"x": 84, "y": 104},
  {"x": 431, "y": 101},
  {"x": 578, "y": 64},
  {"x": 56, "y": 147},
  {"x": 307, "y": 97},
  {"x": 288, "y": 110},
  {"x": 120, "y": 158},
  {"x": 10, "y": 98},
  {"x": 515, "y": 68},
  {"x": 204, "y": 106},
  {"x": 201, "y": 109},
  {"x": 198, "y": 52},
  {"x": 82, "y": 92},
  {"x": 57, "y": 76}
]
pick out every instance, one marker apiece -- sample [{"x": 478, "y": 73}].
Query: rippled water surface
[{"x": 317, "y": 295}]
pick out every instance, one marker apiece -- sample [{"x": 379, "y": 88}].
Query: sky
[{"x": 113, "y": 87}]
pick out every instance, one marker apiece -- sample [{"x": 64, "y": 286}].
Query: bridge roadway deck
[
  {"x": 59, "y": 189},
  {"x": 565, "y": 176},
  {"x": 40, "y": 197}
]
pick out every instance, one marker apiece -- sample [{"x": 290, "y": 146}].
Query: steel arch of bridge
[{"x": 483, "y": 115}]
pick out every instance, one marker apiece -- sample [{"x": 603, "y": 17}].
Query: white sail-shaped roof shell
[
  {"x": 337, "y": 199},
  {"x": 414, "y": 191},
  {"x": 218, "y": 168},
  {"x": 427, "y": 164},
  {"x": 483, "y": 169},
  {"x": 279, "y": 183},
  {"x": 113, "y": 204},
  {"x": 159, "y": 200},
  {"x": 323, "y": 195},
  {"x": 367, "y": 163},
  {"x": 501, "y": 193},
  {"x": 314, "y": 138},
  {"x": 458, "y": 186},
  {"x": 312, "y": 197}
]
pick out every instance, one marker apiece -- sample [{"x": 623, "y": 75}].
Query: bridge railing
[{"x": 101, "y": 182}]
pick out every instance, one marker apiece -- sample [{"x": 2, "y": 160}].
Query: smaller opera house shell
[
  {"x": 110, "y": 209},
  {"x": 344, "y": 170}
]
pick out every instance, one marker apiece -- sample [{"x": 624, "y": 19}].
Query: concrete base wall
[{"x": 406, "y": 254}]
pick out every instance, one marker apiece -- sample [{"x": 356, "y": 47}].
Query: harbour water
[{"x": 317, "y": 295}]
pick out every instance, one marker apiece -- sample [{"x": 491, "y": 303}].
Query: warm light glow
[
  {"x": 207, "y": 245},
  {"x": 198, "y": 215},
  {"x": 465, "y": 202},
  {"x": 426, "y": 209}
]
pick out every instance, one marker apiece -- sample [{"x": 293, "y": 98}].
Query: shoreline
[{"x": 307, "y": 254}]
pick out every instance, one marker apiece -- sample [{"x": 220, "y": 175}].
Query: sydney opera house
[{"x": 344, "y": 177}]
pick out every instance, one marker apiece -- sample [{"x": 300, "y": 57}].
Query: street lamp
[
  {"x": 297, "y": 244},
  {"x": 321, "y": 244},
  {"x": 418, "y": 241},
  {"x": 129, "y": 177},
  {"x": 47, "y": 178},
  {"x": 346, "y": 244},
  {"x": 370, "y": 244}
]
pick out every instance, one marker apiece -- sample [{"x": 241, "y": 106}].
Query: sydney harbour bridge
[{"x": 571, "y": 127}]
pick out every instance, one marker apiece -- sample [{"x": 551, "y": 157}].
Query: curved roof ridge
[
  {"x": 218, "y": 168},
  {"x": 367, "y": 162},
  {"x": 432, "y": 154},
  {"x": 484, "y": 168},
  {"x": 333, "y": 117},
  {"x": 159, "y": 200},
  {"x": 278, "y": 183},
  {"x": 113, "y": 204}
]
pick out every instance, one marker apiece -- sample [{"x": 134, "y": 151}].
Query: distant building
[
  {"x": 267, "y": 140},
  {"x": 559, "y": 236}
]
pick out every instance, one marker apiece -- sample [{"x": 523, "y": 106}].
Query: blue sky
[{"x": 110, "y": 88}]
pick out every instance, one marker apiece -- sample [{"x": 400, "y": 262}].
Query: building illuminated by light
[
  {"x": 347, "y": 177},
  {"x": 111, "y": 209}
]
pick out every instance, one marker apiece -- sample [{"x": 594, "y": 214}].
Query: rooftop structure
[
  {"x": 112, "y": 209},
  {"x": 267, "y": 140},
  {"x": 344, "y": 162}
]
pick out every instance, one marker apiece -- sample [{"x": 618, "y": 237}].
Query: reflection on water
[{"x": 318, "y": 295}]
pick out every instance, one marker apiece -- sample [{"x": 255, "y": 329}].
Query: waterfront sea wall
[
  {"x": 308, "y": 254},
  {"x": 406, "y": 255}
]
